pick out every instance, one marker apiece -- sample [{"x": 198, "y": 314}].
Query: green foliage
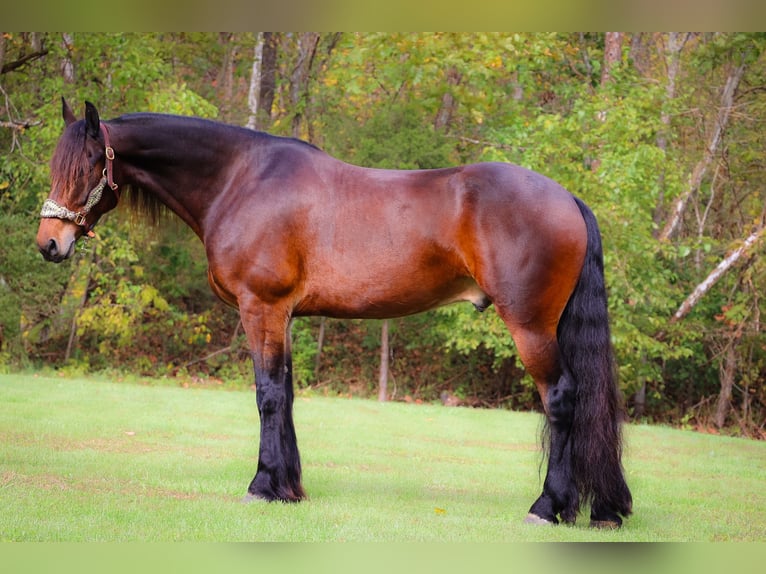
[
  {"x": 603, "y": 149},
  {"x": 178, "y": 99},
  {"x": 113, "y": 295},
  {"x": 29, "y": 290},
  {"x": 397, "y": 137},
  {"x": 304, "y": 351},
  {"x": 114, "y": 320},
  {"x": 464, "y": 330},
  {"x": 628, "y": 147}
]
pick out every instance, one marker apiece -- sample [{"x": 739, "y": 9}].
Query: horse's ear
[
  {"x": 67, "y": 113},
  {"x": 91, "y": 120}
]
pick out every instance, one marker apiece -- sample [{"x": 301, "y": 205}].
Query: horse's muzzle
[
  {"x": 56, "y": 239},
  {"x": 53, "y": 251}
]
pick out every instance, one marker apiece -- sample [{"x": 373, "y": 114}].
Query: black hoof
[
  {"x": 263, "y": 487},
  {"x": 606, "y": 524},
  {"x": 604, "y": 519}
]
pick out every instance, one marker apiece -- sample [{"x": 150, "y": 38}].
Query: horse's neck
[{"x": 177, "y": 162}]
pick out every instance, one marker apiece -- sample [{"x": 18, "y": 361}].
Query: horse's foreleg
[{"x": 279, "y": 469}]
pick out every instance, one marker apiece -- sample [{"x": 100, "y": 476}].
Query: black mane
[
  {"x": 143, "y": 204},
  {"x": 181, "y": 122}
]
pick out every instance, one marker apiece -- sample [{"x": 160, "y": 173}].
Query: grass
[{"x": 87, "y": 460}]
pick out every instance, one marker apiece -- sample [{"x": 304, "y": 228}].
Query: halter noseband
[{"x": 53, "y": 210}]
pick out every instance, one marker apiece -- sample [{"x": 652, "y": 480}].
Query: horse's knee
[
  {"x": 268, "y": 406},
  {"x": 270, "y": 401},
  {"x": 560, "y": 399}
]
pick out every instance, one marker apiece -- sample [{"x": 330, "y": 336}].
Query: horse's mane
[
  {"x": 70, "y": 164},
  {"x": 144, "y": 206}
]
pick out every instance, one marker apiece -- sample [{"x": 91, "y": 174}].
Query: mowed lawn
[{"x": 94, "y": 460}]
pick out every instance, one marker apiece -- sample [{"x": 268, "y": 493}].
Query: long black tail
[{"x": 586, "y": 349}]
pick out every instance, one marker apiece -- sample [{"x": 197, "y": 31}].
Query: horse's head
[{"x": 82, "y": 189}]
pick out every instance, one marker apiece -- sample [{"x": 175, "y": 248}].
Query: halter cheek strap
[
  {"x": 51, "y": 209},
  {"x": 109, "y": 158}
]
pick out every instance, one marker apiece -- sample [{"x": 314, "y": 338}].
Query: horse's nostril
[{"x": 50, "y": 250}]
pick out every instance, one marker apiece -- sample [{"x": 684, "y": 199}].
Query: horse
[{"x": 290, "y": 231}]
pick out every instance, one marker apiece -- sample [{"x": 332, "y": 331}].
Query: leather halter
[
  {"x": 109, "y": 150},
  {"x": 51, "y": 209}
]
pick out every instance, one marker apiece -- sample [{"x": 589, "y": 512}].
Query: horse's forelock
[{"x": 69, "y": 161}]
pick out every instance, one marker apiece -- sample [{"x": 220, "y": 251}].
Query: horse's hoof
[
  {"x": 605, "y": 524},
  {"x": 534, "y": 519},
  {"x": 250, "y": 497}
]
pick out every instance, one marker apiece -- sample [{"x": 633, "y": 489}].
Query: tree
[
  {"x": 721, "y": 209},
  {"x": 612, "y": 55},
  {"x": 716, "y": 132},
  {"x": 384, "y": 368},
  {"x": 299, "y": 79},
  {"x": 660, "y": 133},
  {"x": 268, "y": 75},
  {"x": 263, "y": 80},
  {"x": 670, "y": 51},
  {"x": 256, "y": 79},
  {"x": 712, "y": 278}
]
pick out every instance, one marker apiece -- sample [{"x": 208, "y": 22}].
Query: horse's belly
[{"x": 391, "y": 297}]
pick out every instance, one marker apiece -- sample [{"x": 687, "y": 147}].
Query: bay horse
[{"x": 291, "y": 231}]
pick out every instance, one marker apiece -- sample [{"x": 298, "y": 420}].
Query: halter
[{"x": 53, "y": 210}]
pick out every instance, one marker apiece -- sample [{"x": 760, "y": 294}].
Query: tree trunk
[
  {"x": 639, "y": 401},
  {"x": 320, "y": 344},
  {"x": 717, "y": 273},
  {"x": 675, "y": 45},
  {"x": 448, "y": 103},
  {"x": 254, "y": 93},
  {"x": 728, "y": 371},
  {"x": 268, "y": 78},
  {"x": 384, "y": 363},
  {"x": 72, "y": 341},
  {"x": 672, "y": 55},
  {"x": 67, "y": 68},
  {"x": 716, "y": 134},
  {"x": 299, "y": 79},
  {"x": 612, "y": 55},
  {"x": 612, "y": 58},
  {"x": 226, "y": 73}
]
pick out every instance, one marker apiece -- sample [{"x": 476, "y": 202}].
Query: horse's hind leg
[{"x": 539, "y": 352}]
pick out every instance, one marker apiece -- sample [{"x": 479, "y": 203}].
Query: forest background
[{"x": 662, "y": 134}]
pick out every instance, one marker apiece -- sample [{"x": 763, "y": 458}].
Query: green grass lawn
[{"x": 86, "y": 460}]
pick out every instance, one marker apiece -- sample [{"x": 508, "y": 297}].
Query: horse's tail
[{"x": 586, "y": 350}]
